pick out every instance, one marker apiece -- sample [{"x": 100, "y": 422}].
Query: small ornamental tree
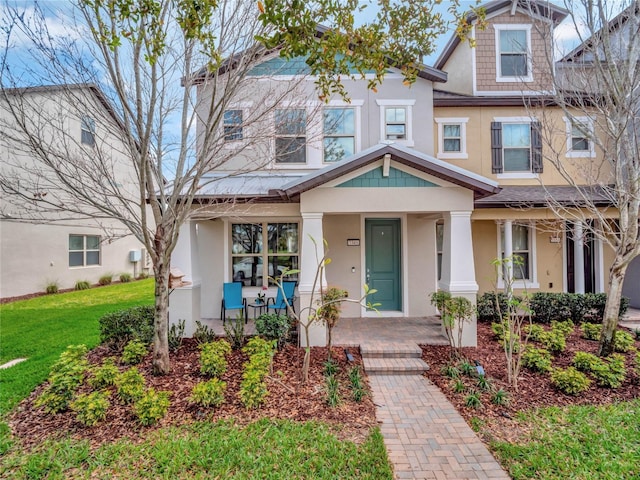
[{"x": 329, "y": 312}]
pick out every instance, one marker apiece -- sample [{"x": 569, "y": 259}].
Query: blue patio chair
[
  {"x": 232, "y": 300},
  {"x": 278, "y": 303}
]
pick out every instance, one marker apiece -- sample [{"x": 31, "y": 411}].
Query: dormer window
[{"x": 513, "y": 59}]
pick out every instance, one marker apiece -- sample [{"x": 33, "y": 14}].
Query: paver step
[
  {"x": 394, "y": 366},
  {"x": 393, "y": 350}
]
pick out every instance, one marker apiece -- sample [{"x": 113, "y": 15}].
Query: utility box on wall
[{"x": 135, "y": 256}]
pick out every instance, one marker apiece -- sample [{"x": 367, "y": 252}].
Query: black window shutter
[
  {"x": 536, "y": 147},
  {"x": 496, "y": 147}
]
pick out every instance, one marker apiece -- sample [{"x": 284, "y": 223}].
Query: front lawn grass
[
  {"x": 266, "y": 449},
  {"x": 579, "y": 442},
  {"x": 39, "y": 329}
]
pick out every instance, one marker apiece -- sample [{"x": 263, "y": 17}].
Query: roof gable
[{"x": 395, "y": 178}]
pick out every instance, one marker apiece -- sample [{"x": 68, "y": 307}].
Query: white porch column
[
  {"x": 184, "y": 302},
  {"x": 458, "y": 269},
  {"x": 310, "y": 256},
  {"x": 578, "y": 257},
  {"x": 508, "y": 251}
]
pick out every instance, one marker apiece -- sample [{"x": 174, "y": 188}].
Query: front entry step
[{"x": 393, "y": 359}]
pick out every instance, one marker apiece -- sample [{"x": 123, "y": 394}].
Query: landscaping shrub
[
  {"x": 610, "y": 374},
  {"x": 534, "y": 331},
  {"x": 65, "y": 378},
  {"x": 536, "y": 359},
  {"x": 483, "y": 383},
  {"x": 176, "y": 334},
  {"x": 586, "y": 362},
  {"x": 82, "y": 285},
  {"x": 105, "y": 279},
  {"x": 548, "y": 306},
  {"x": 486, "y": 306},
  {"x": 330, "y": 368},
  {"x": 565, "y": 328},
  {"x": 500, "y": 397},
  {"x": 213, "y": 358},
  {"x": 130, "y": 385},
  {"x": 253, "y": 388},
  {"x": 151, "y": 406},
  {"x": 125, "y": 277},
  {"x": 569, "y": 380},
  {"x": 358, "y": 391},
  {"x": 203, "y": 333},
  {"x": 622, "y": 341},
  {"x": 273, "y": 326},
  {"x": 637, "y": 363},
  {"x": 333, "y": 394},
  {"x": 577, "y": 304},
  {"x": 118, "y": 328},
  {"x": 450, "y": 371},
  {"x": 105, "y": 375},
  {"x": 467, "y": 368},
  {"x": 91, "y": 408},
  {"x": 209, "y": 393},
  {"x": 553, "y": 340},
  {"x": 52, "y": 287},
  {"x": 596, "y": 303},
  {"x": 473, "y": 400},
  {"x": 459, "y": 386},
  {"x": 143, "y": 275},
  {"x": 234, "y": 329},
  {"x": 134, "y": 352},
  {"x": 591, "y": 331}
]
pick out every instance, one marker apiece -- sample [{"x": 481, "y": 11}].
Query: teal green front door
[{"x": 382, "y": 252}]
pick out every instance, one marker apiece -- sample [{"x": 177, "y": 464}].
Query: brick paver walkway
[{"x": 425, "y": 436}]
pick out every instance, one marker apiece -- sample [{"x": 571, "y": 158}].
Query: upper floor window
[
  {"x": 452, "y": 141},
  {"x": 513, "y": 62},
  {"x": 339, "y": 133},
  {"x": 88, "y": 131},
  {"x": 290, "y": 130},
  {"x": 232, "y": 123},
  {"x": 579, "y": 137},
  {"x": 516, "y": 146},
  {"x": 84, "y": 250},
  {"x": 395, "y": 121}
]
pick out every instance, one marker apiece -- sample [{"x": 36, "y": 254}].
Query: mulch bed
[
  {"x": 535, "y": 389},
  {"x": 288, "y": 398}
]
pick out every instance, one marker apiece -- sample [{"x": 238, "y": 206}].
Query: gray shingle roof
[{"x": 538, "y": 196}]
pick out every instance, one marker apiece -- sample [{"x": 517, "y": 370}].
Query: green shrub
[
  {"x": 176, "y": 334},
  {"x": 125, "y": 277},
  {"x": 566, "y": 327},
  {"x": 105, "y": 279},
  {"x": 234, "y": 330},
  {"x": 553, "y": 340},
  {"x": 486, "y": 306},
  {"x": 577, "y": 306},
  {"x": 51, "y": 287},
  {"x": 450, "y": 371},
  {"x": 209, "y": 393},
  {"x": 134, "y": 352},
  {"x": 272, "y": 326},
  {"x": 330, "y": 368},
  {"x": 591, "y": 331},
  {"x": 458, "y": 386},
  {"x": 473, "y": 400},
  {"x": 467, "y": 368},
  {"x": 622, "y": 341},
  {"x": 213, "y": 358},
  {"x": 596, "y": 303},
  {"x": 548, "y": 306},
  {"x": 637, "y": 363},
  {"x": 610, "y": 374},
  {"x": 105, "y": 375},
  {"x": 483, "y": 383},
  {"x": 259, "y": 347},
  {"x": 65, "y": 378},
  {"x": 91, "y": 408},
  {"x": 569, "y": 380},
  {"x": 536, "y": 359},
  {"x": 253, "y": 389},
  {"x": 358, "y": 391},
  {"x": 118, "y": 328},
  {"x": 498, "y": 330},
  {"x": 636, "y": 332},
  {"x": 586, "y": 362},
  {"x": 151, "y": 406},
  {"x": 333, "y": 394},
  {"x": 82, "y": 285},
  {"x": 534, "y": 331},
  {"x": 130, "y": 385},
  {"x": 203, "y": 333},
  {"x": 143, "y": 275},
  {"x": 500, "y": 397}
]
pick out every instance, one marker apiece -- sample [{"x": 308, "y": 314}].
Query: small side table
[{"x": 258, "y": 308}]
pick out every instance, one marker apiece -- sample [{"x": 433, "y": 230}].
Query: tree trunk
[
  {"x": 161, "y": 364},
  {"x": 611, "y": 310}
]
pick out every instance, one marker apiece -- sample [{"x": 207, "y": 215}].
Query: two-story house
[
  {"x": 41, "y": 244},
  {"x": 414, "y": 189}
]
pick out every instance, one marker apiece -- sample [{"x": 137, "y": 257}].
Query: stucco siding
[{"x": 421, "y": 264}]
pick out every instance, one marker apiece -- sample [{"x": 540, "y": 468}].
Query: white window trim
[
  {"x": 85, "y": 251},
  {"x": 515, "y": 26},
  {"x": 462, "y": 121},
  {"x": 533, "y": 282},
  {"x": 406, "y": 103},
  {"x": 515, "y": 175},
  {"x": 308, "y": 126},
  {"x": 586, "y": 121},
  {"x": 357, "y": 106}
]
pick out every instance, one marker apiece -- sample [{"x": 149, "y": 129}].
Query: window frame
[
  {"x": 263, "y": 253},
  {"x": 88, "y": 131},
  {"x": 407, "y": 104},
  {"x": 291, "y": 136},
  {"x": 588, "y": 123},
  {"x": 513, "y": 78},
  {"x": 536, "y": 164},
  {"x": 353, "y": 136},
  {"x": 532, "y": 281},
  {"x": 233, "y": 132},
  {"x": 462, "y": 122},
  {"x": 84, "y": 251}
]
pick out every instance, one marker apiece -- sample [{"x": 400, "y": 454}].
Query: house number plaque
[{"x": 353, "y": 242}]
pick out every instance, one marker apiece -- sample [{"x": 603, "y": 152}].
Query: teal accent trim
[
  {"x": 281, "y": 66},
  {"x": 396, "y": 178}
]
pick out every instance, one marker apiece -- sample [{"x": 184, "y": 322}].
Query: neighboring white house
[{"x": 53, "y": 246}]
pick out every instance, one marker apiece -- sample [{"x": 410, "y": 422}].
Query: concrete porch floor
[{"x": 351, "y": 332}]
